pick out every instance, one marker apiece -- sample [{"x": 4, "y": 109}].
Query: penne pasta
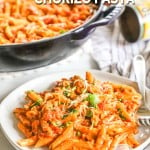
[
  {"x": 118, "y": 139},
  {"x": 43, "y": 141},
  {"x": 79, "y": 114},
  {"x": 66, "y": 145},
  {"x": 80, "y": 144},
  {"x": 28, "y": 142},
  {"x": 68, "y": 133},
  {"x": 101, "y": 137},
  {"x": 58, "y": 18},
  {"x": 24, "y": 130}
]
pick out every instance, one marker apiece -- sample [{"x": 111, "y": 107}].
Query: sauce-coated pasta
[
  {"x": 80, "y": 114},
  {"x": 23, "y": 21}
]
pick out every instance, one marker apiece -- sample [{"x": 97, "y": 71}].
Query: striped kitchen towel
[{"x": 114, "y": 54}]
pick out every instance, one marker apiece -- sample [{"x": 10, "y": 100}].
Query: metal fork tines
[
  {"x": 144, "y": 117},
  {"x": 140, "y": 73}
]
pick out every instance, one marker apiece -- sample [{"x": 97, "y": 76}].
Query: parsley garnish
[
  {"x": 37, "y": 103},
  {"x": 72, "y": 110},
  {"x": 65, "y": 116},
  {"x": 89, "y": 114},
  {"x": 120, "y": 100},
  {"x": 67, "y": 124},
  {"x": 66, "y": 93},
  {"x": 62, "y": 31},
  {"x": 93, "y": 100},
  {"x": 120, "y": 114}
]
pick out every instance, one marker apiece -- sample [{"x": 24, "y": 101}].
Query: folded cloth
[{"x": 114, "y": 54}]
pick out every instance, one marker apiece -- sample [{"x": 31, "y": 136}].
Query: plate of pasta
[{"x": 74, "y": 111}]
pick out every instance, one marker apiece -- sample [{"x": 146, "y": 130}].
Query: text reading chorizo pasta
[
  {"x": 23, "y": 21},
  {"x": 78, "y": 114},
  {"x": 66, "y": 1}
]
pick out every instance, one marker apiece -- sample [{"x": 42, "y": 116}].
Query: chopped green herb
[
  {"x": 62, "y": 31},
  {"x": 56, "y": 123},
  {"x": 84, "y": 90},
  {"x": 93, "y": 100},
  {"x": 37, "y": 103},
  {"x": 60, "y": 103},
  {"x": 120, "y": 100},
  {"x": 51, "y": 107},
  {"x": 94, "y": 83},
  {"x": 74, "y": 88},
  {"x": 89, "y": 114},
  {"x": 120, "y": 114},
  {"x": 84, "y": 100},
  {"x": 72, "y": 110},
  {"x": 78, "y": 133},
  {"x": 68, "y": 87},
  {"x": 122, "y": 117},
  {"x": 66, "y": 93},
  {"x": 68, "y": 90},
  {"x": 62, "y": 125},
  {"x": 119, "y": 110},
  {"x": 64, "y": 116},
  {"x": 67, "y": 124}
]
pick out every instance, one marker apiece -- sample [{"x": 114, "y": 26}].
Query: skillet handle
[{"x": 108, "y": 19}]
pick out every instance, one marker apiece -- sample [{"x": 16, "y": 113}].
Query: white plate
[{"x": 16, "y": 99}]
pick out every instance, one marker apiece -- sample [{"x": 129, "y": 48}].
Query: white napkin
[{"x": 114, "y": 54}]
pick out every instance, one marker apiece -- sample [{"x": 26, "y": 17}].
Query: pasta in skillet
[
  {"x": 24, "y": 21},
  {"x": 80, "y": 114}
]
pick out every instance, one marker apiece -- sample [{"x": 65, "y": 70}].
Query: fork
[{"x": 144, "y": 110}]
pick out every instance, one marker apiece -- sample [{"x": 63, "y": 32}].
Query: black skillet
[{"x": 24, "y": 56}]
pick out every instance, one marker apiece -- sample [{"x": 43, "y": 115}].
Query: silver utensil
[{"x": 140, "y": 72}]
